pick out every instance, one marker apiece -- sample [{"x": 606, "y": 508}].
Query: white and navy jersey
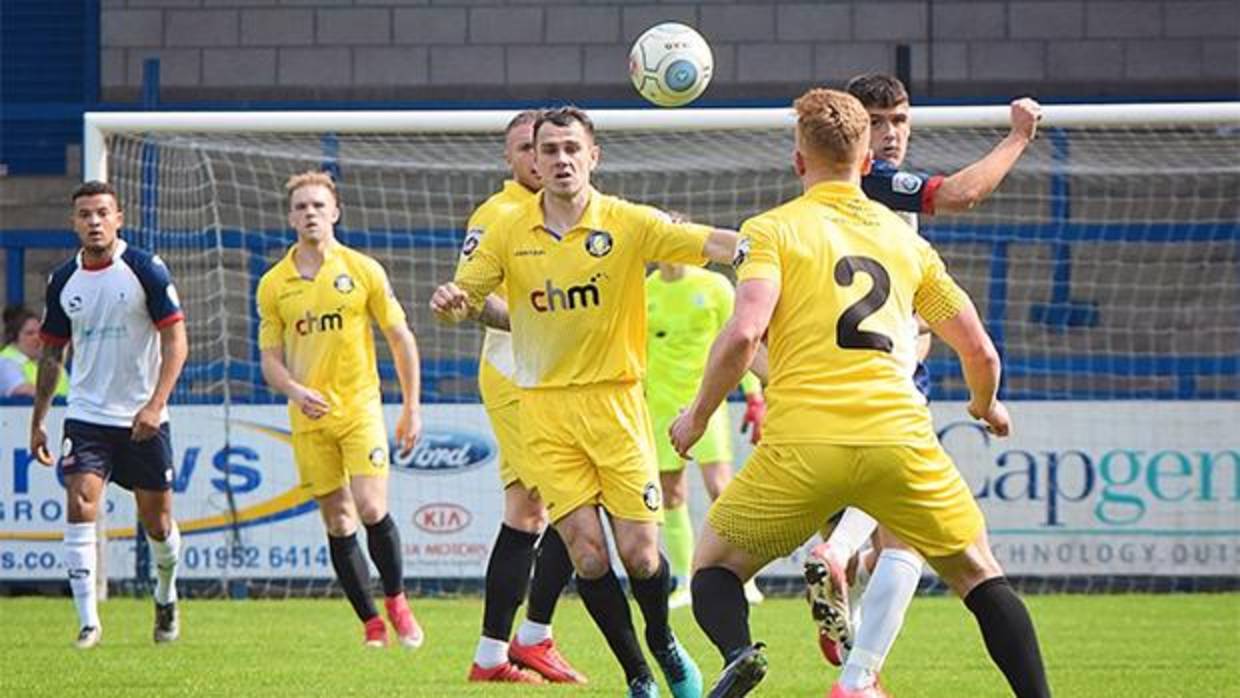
[
  {"x": 112, "y": 314},
  {"x": 906, "y": 193}
]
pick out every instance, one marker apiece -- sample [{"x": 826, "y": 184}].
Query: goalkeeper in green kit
[{"x": 686, "y": 307}]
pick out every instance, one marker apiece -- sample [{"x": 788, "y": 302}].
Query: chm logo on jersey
[
  {"x": 742, "y": 253},
  {"x": 598, "y": 243},
  {"x": 905, "y": 183},
  {"x": 343, "y": 283},
  {"x": 311, "y": 323},
  {"x": 551, "y": 298},
  {"x": 472, "y": 239}
]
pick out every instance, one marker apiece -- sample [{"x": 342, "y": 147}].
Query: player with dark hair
[
  {"x": 116, "y": 305},
  {"x": 524, "y": 541},
  {"x": 315, "y": 309},
  {"x": 573, "y": 261},
  {"x": 846, "y": 426}
]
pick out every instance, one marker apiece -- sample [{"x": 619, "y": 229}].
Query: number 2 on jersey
[{"x": 848, "y": 332}]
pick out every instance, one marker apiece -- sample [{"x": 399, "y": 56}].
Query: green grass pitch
[{"x": 1122, "y": 645}]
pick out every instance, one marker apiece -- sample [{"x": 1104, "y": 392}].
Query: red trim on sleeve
[
  {"x": 170, "y": 320},
  {"x": 927, "y": 194},
  {"x": 52, "y": 339}
]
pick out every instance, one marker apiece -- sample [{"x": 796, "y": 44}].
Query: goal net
[{"x": 1106, "y": 266}]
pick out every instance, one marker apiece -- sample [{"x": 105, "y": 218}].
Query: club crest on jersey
[
  {"x": 343, "y": 283},
  {"x": 905, "y": 183},
  {"x": 652, "y": 497},
  {"x": 75, "y": 304},
  {"x": 378, "y": 457},
  {"x": 742, "y": 253},
  {"x": 598, "y": 243},
  {"x": 472, "y": 239}
]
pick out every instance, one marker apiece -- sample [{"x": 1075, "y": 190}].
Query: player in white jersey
[
  {"x": 117, "y": 307},
  {"x": 894, "y": 568}
]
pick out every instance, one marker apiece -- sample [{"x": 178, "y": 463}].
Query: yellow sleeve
[
  {"x": 381, "y": 299},
  {"x": 938, "y": 297},
  {"x": 665, "y": 241},
  {"x": 481, "y": 269},
  {"x": 757, "y": 252},
  {"x": 474, "y": 231},
  {"x": 270, "y": 326}
]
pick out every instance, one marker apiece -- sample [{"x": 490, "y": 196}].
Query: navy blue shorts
[{"x": 111, "y": 454}]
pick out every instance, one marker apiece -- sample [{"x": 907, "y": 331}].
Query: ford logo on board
[
  {"x": 442, "y": 452},
  {"x": 442, "y": 517}
]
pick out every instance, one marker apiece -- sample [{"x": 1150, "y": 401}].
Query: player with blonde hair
[
  {"x": 846, "y": 425},
  {"x": 315, "y": 309}
]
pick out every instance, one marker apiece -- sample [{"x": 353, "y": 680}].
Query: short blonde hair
[
  {"x": 310, "y": 178},
  {"x": 833, "y": 125}
]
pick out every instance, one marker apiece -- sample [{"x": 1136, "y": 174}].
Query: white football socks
[
  {"x": 886, "y": 599},
  {"x": 490, "y": 653},
  {"x": 80, "y": 560},
  {"x": 531, "y": 633},
  {"x": 165, "y": 554},
  {"x": 854, "y": 528}
]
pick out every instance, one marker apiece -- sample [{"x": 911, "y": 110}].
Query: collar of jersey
[
  {"x": 834, "y": 190},
  {"x": 591, "y": 218},
  {"x": 120, "y": 249},
  {"x": 330, "y": 255},
  {"x": 516, "y": 191}
]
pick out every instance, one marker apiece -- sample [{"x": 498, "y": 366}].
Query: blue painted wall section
[{"x": 49, "y": 74}]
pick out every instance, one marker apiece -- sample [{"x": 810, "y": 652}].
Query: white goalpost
[{"x": 1107, "y": 267}]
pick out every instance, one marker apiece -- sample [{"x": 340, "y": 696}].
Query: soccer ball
[{"x": 670, "y": 64}]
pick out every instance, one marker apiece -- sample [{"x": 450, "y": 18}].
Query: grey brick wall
[{"x": 577, "y": 49}]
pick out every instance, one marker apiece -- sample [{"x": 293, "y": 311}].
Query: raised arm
[
  {"x": 971, "y": 185},
  {"x": 404, "y": 348},
  {"x": 51, "y": 362}
]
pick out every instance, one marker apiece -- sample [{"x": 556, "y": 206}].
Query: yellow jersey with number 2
[{"x": 850, "y": 275}]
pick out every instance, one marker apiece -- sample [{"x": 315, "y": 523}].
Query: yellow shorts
[
  {"x": 593, "y": 446},
  {"x": 328, "y": 457},
  {"x": 499, "y": 397},
  {"x": 715, "y": 445},
  {"x": 786, "y": 492},
  {"x": 506, "y": 424}
]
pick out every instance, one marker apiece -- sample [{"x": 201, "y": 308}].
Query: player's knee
[
  {"x": 80, "y": 508},
  {"x": 525, "y": 514},
  {"x": 158, "y": 527},
  {"x": 641, "y": 560},
  {"x": 339, "y": 524},
  {"x": 590, "y": 562},
  {"x": 371, "y": 513}
]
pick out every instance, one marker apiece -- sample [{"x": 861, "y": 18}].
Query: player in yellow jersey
[
  {"x": 573, "y": 261},
  {"x": 832, "y": 278},
  {"x": 315, "y": 307},
  {"x": 685, "y": 309},
  {"x": 879, "y": 583},
  {"x": 514, "y": 553}
]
